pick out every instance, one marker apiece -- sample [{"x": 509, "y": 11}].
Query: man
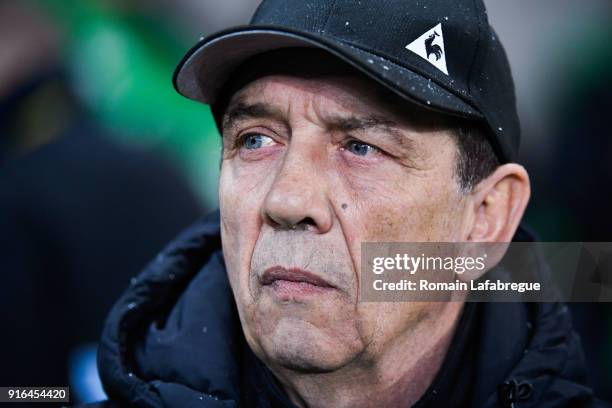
[{"x": 343, "y": 122}]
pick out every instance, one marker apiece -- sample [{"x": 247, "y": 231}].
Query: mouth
[{"x": 291, "y": 283}]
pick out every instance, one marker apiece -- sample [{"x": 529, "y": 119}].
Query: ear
[{"x": 498, "y": 204}]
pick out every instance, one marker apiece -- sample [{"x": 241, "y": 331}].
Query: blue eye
[
  {"x": 256, "y": 141},
  {"x": 360, "y": 148}
]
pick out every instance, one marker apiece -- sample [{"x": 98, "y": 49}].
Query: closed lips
[{"x": 278, "y": 273}]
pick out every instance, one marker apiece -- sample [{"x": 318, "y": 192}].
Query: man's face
[{"x": 313, "y": 167}]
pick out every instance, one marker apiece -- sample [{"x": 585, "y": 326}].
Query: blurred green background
[{"x": 121, "y": 57}]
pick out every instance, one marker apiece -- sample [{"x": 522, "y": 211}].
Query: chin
[{"x": 303, "y": 347}]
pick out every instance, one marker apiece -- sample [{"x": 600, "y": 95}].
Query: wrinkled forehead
[
  {"x": 323, "y": 96},
  {"x": 284, "y": 69},
  {"x": 300, "y": 63}
]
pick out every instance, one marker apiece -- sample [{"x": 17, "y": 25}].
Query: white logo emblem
[{"x": 430, "y": 46}]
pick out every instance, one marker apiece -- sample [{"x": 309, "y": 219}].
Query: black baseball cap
[{"x": 440, "y": 54}]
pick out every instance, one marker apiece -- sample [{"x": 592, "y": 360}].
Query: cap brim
[{"x": 208, "y": 65}]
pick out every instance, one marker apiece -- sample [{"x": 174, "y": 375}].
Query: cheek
[
  {"x": 240, "y": 226},
  {"x": 404, "y": 209},
  {"x": 408, "y": 208}
]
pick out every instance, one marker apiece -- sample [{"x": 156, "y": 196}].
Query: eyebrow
[
  {"x": 359, "y": 123},
  {"x": 244, "y": 111}
]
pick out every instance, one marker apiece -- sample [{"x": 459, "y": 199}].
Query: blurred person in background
[{"x": 79, "y": 213}]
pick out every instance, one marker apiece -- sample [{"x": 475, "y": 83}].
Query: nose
[{"x": 298, "y": 196}]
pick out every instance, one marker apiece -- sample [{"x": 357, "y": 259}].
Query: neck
[{"x": 397, "y": 377}]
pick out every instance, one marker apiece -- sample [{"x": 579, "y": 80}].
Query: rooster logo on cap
[{"x": 432, "y": 48}]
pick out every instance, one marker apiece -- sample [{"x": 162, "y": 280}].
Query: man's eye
[
  {"x": 256, "y": 141},
  {"x": 360, "y": 148}
]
